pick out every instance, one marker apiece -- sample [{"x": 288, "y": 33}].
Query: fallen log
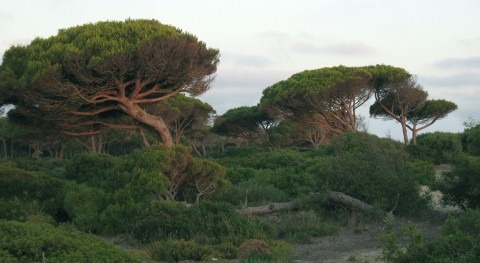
[
  {"x": 338, "y": 197},
  {"x": 268, "y": 209},
  {"x": 347, "y": 200}
]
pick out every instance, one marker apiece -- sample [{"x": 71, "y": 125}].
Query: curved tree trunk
[
  {"x": 351, "y": 202},
  {"x": 156, "y": 122}
]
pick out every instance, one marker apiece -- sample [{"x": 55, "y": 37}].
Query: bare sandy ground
[{"x": 352, "y": 245}]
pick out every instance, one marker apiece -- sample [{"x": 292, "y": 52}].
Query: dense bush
[
  {"x": 48, "y": 166},
  {"x": 207, "y": 229},
  {"x": 437, "y": 147},
  {"x": 20, "y": 210},
  {"x": 207, "y": 222},
  {"x": 251, "y": 193},
  {"x": 461, "y": 186},
  {"x": 120, "y": 190},
  {"x": 471, "y": 140},
  {"x": 84, "y": 205},
  {"x": 458, "y": 242},
  {"x": 34, "y": 242},
  {"x": 237, "y": 174},
  {"x": 96, "y": 170},
  {"x": 422, "y": 171},
  {"x": 284, "y": 169},
  {"x": 165, "y": 220},
  {"x": 371, "y": 169},
  {"x": 301, "y": 227},
  {"x": 33, "y": 192},
  {"x": 172, "y": 250},
  {"x": 374, "y": 170},
  {"x": 219, "y": 222},
  {"x": 253, "y": 246}
]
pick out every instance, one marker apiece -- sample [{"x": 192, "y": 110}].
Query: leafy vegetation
[
  {"x": 461, "y": 186},
  {"x": 457, "y": 242},
  {"x": 437, "y": 147},
  {"x": 377, "y": 171},
  {"x": 40, "y": 242},
  {"x": 125, "y": 195},
  {"x": 103, "y": 76},
  {"x": 102, "y": 140}
]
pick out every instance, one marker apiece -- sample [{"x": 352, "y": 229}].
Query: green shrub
[
  {"x": 422, "y": 171},
  {"x": 221, "y": 223},
  {"x": 471, "y": 140},
  {"x": 253, "y": 248},
  {"x": 172, "y": 250},
  {"x": 457, "y": 242},
  {"x": 48, "y": 166},
  {"x": 294, "y": 181},
  {"x": 371, "y": 169},
  {"x": 259, "y": 258},
  {"x": 84, "y": 205},
  {"x": 237, "y": 174},
  {"x": 33, "y": 192},
  {"x": 207, "y": 222},
  {"x": 94, "y": 169},
  {"x": 226, "y": 249},
  {"x": 121, "y": 217},
  {"x": 302, "y": 226},
  {"x": 282, "y": 251},
  {"x": 461, "y": 186},
  {"x": 374, "y": 170},
  {"x": 282, "y": 168},
  {"x": 166, "y": 220},
  {"x": 34, "y": 242},
  {"x": 16, "y": 209},
  {"x": 41, "y": 218},
  {"x": 7, "y": 257},
  {"x": 437, "y": 147},
  {"x": 459, "y": 237},
  {"x": 279, "y": 252},
  {"x": 230, "y": 154},
  {"x": 253, "y": 193},
  {"x": 117, "y": 190}
]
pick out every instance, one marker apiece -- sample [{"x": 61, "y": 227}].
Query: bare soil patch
[
  {"x": 363, "y": 244},
  {"x": 359, "y": 245}
]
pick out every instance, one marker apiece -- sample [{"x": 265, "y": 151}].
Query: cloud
[
  {"x": 470, "y": 42},
  {"x": 355, "y": 48},
  {"x": 245, "y": 61},
  {"x": 350, "y": 49},
  {"x": 234, "y": 88},
  {"x": 454, "y": 80},
  {"x": 469, "y": 62},
  {"x": 4, "y": 16},
  {"x": 274, "y": 36},
  {"x": 248, "y": 78}
]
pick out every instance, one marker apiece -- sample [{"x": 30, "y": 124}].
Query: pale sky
[{"x": 265, "y": 41}]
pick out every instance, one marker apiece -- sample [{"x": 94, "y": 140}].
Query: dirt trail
[{"x": 352, "y": 245}]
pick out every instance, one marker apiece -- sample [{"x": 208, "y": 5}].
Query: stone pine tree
[
  {"x": 398, "y": 96},
  {"x": 95, "y": 77},
  {"x": 397, "y": 101},
  {"x": 248, "y": 122},
  {"x": 183, "y": 114},
  {"x": 428, "y": 114},
  {"x": 328, "y": 97}
]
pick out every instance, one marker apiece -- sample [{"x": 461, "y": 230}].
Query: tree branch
[
  {"x": 95, "y": 112},
  {"x": 173, "y": 93}
]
